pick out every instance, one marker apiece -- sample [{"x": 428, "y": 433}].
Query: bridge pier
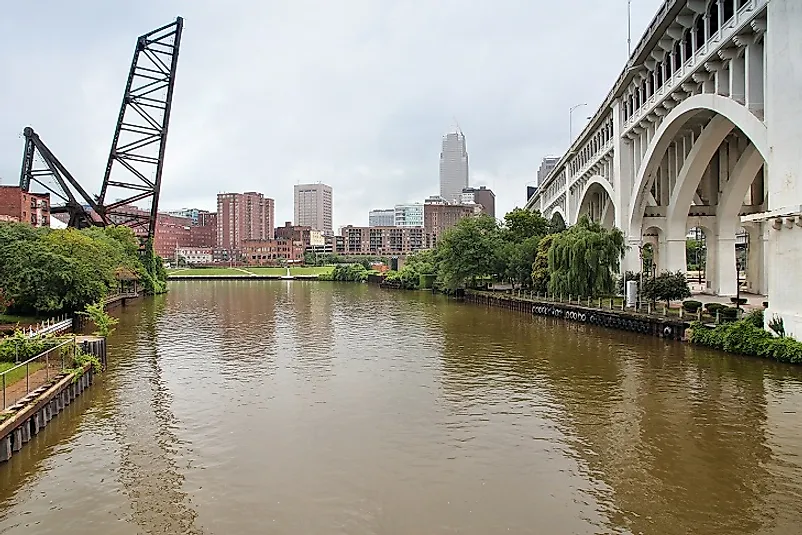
[{"x": 783, "y": 113}]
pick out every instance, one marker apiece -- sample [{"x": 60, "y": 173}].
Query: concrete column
[
  {"x": 725, "y": 264},
  {"x": 783, "y": 109},
  {"x": 632, "y": 255},
  {"x": 738, "y": 79},
  {"x": 754, "y": 75},
  {"x": 754, "y": 258},
  {"x": 723, "y": 81}
]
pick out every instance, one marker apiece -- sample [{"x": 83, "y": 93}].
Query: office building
[
  {"x": 272, "y": 252},
  {"x": 545, "y": 168},
  {"x": 384, "y": 217},
  {"x": 408, "y": 215},
  {"x": 482, "y": 196},
  {"x": 244, "y": 216},
  {"x": 453, "y": 167},
  {"x": 313, "y": 207}
]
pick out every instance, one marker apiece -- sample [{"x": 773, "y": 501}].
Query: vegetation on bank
[
  {"x": 748, "y": 337},
  {"x": 48, "y": 271}
]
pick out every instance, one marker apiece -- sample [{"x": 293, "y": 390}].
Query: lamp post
[{"x": 570, "y": 122}]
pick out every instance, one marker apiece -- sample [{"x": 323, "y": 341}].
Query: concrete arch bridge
[{"x": 701, "y": 133}]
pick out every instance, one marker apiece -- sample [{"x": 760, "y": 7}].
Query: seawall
[{"x": 662, "y": 326}]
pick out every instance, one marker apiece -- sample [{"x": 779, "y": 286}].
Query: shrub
[
  {"x": 745, "y": 338},
  {"x": 711, "y": 308},
  {"x": 755, "y": 318},
  {"x": 728, "y": 313},
  {"x": 667, "y": 287},
  {"x": 691, "y": 306}
]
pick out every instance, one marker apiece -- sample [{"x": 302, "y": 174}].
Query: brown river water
[{"x": 288, "y": 407}]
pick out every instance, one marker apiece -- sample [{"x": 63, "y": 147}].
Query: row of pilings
[
  {"x": 662, "y": 326},
  {"x": 39, "y": 409},
  {"x": 28, "y": 416}
]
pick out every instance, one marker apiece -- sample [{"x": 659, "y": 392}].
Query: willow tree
[{"x": 584, "y": 259}]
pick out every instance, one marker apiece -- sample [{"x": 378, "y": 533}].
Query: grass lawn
[
  {"x": 206, "y": 271},
  {"x": 311, "y": 270},
  {"x": 19, "y": 373},
  {"x": 8, "y": 318},
  {"x": 277, "y": 271}
]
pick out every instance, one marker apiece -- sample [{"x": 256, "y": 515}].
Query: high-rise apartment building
[
  {"x": 244, "y": 216},
  {"x": 482, "y": 196},
  {"x": 409, "y": 215},
  {"x": 313, "y": 207},
  {"x": 384, "y": 217},
  {"x": 453, "y": 166},
  {"x": 383, "y": 240}
]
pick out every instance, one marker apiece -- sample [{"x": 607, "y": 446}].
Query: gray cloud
[{"x": 354, "y": 93}]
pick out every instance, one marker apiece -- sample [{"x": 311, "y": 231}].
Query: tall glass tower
[{"x": 453, "y": 166}]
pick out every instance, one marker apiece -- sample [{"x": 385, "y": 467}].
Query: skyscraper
[
  {"x": 453, "y": 166},
  {"x": 313, "y": 204}
]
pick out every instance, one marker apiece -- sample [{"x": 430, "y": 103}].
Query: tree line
[
  {"x": 48, "y": 271},
  {"x": 524, "y": 249}
]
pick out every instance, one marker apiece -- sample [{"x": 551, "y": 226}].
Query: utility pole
[
  {"x": 571, "y": 123},
  {"x": 629, "y": 28}
]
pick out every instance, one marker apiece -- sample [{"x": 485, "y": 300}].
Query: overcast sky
[{"x": 353, "y": 93}]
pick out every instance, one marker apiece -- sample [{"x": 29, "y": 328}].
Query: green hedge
[{"x": 745, "y": 338}]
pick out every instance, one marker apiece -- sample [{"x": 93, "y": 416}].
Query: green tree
[
  {"x": 468, "y": 251},
  {"x": 584, "y": 259},
  {"x": 520, "y": 224},
  {"x": 667, "y": 286},
  {"x": 540, "y": 267},
  {"x": 103, "y": 321}
]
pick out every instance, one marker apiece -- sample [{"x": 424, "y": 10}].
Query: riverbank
[
  {"x": 37, "y": 390},
  {"x": 627, "y": 320}
]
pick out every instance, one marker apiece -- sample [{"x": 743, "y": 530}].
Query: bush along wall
[{"x": 747, "y": 337}]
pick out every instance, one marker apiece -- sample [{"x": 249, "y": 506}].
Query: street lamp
[{"x": 570, "y": 122}]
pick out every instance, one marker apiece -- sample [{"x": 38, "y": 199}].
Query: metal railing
[
  {"x": 18, "y": 381},
  {"x": 49, "y": 326}
]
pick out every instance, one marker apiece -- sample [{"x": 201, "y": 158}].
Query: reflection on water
[{"x": 302, "y": 407}]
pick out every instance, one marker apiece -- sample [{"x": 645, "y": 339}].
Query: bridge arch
[
  {"x": 598, "y": 187},
  {"x": 732, "y": 111},
  {"x": 558, "y": 215}
]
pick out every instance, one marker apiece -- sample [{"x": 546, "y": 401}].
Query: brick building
[
  {"x": 382, "y": 240},
  {"x": 194, "y": 255},
  {"x": 171, "y": 231},
  {"x": 271, "y": 252},
  {"x": 439, "y": 217},
  {"x": 244, "y": 216},
  {"x": 18, "y": 205}
]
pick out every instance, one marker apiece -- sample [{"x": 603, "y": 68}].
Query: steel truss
[
  {"x": 136, "y": 160},
  {"x": 134, "y": 168},
  {"x": 40, "y": 166}
]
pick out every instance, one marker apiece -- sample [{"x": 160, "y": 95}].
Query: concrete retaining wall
[
  {"x": 664, "y": 327},
  {"x": 38, "y": 408}
]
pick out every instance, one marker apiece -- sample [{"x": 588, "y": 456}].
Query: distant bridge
[{"x": 702, "y": 130}]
